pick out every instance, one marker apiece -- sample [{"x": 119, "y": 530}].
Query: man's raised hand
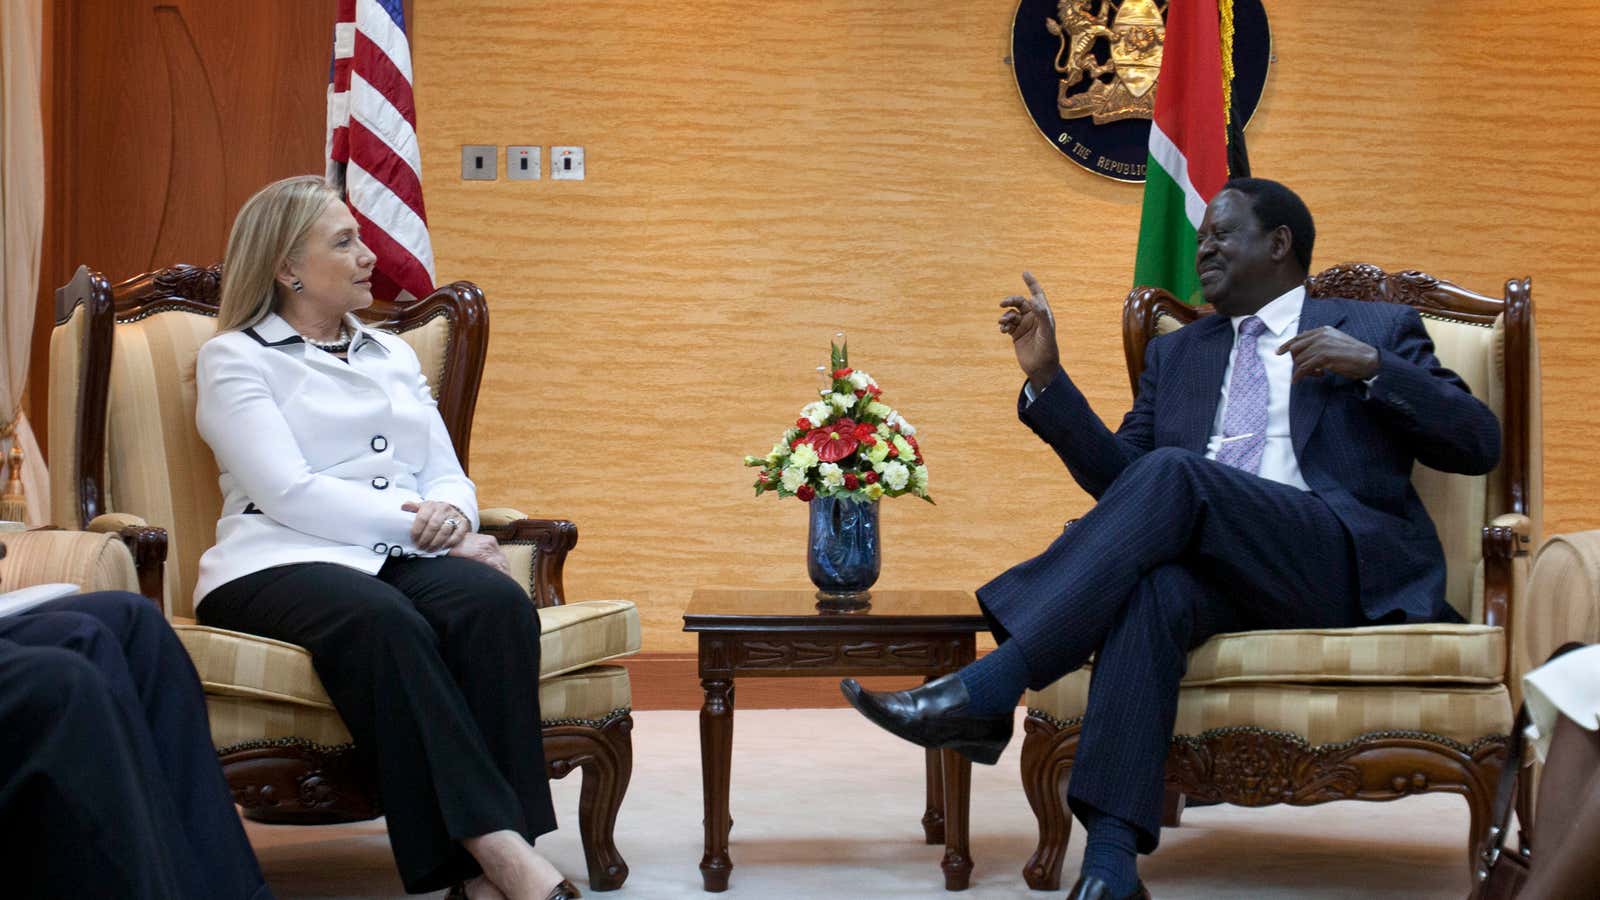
[{"x": 1033, "y": 333}]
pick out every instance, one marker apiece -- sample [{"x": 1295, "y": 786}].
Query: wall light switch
[
  {"x": 522, "y": 162},
  {"x": 566, "y": 163},
  {"x": 479, "y": 162}
]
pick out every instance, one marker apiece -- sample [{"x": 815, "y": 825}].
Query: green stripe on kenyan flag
[
  {"x": 1166, "y": 238},
  {"x": 1188, "y": 160}
]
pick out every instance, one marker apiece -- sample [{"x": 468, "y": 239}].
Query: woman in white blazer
[{"x": 348, "y": 528}]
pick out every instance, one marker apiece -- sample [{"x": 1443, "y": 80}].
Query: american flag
[{"x": 372, "y": 144}]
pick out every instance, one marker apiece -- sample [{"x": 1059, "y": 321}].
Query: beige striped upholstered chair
[
  {"x": 127, "y": 458},
  {"x": 1308, "y": 716}
]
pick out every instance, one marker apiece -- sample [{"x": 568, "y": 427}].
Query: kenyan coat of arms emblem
[{"x": 1087, "y": 72}]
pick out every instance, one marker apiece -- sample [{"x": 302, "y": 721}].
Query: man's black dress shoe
[
  {"x": 1091, "y": 888},
  {"x": 934, "y": 716}
]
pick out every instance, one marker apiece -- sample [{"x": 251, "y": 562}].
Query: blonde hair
[{"x": 271, "y": 227}]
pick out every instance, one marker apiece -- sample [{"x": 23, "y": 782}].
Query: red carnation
[
  {"x": 861, "y": 393},
  {"x": 842, "y": 373},
  {"x": 870, "y": 477},
  {"x": 851, "y": 482},
  {"x": 805, "y": 493},
  {"x": 893, "y": 452},
  {"x": 802, "y": 422},
  {"x": 864, "y": 431}
]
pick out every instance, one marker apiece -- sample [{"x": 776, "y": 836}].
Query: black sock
[
  {"x": 996, "y": 681},
  {"x": 1110, "y": 853}
]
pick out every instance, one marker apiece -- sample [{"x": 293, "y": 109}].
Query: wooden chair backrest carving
[
  {"x": 122, "y": 398},
  {"x": 1491, "y": 344}
]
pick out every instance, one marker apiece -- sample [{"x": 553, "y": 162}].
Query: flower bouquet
[
  {"x": 848, "y": 444},
  {"x": 847, "y": 450}
]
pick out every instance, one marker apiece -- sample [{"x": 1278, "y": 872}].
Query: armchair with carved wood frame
[
  {"x": 1307, "y": 716},
  {"x": 128, "y": 458}
]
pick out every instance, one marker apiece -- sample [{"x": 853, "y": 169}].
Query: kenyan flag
[{"x": 1188, "y": 148}]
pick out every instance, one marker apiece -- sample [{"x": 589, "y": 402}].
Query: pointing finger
[{"x": 1033, "y": 285}]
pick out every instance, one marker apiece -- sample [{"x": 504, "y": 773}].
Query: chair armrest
[
  {"x": 1505, "y": 541},
  {"x": 111, "y": 523},
  {"x": 1562, "y": 602},
  {"x": 550, "y": 540},
  {"x": 147, "y": 544},
  {"x": 93, "y": 562}
]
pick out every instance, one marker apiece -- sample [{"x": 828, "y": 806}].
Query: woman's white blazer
[{"x": 316, "y": 453}]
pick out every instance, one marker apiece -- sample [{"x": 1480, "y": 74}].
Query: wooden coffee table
[{"x": 783, "y": 633}]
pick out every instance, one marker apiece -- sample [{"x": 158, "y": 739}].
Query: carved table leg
[
  {"x": 933, "y": 818},
  {"x": 716, "y": 767},
  {"x": 957, "y": 864}
]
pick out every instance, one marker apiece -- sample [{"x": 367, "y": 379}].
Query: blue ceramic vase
[{"x": 843, "y": 554}]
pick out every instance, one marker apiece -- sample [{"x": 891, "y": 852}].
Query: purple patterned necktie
[{"x": 1244, "y": 423}]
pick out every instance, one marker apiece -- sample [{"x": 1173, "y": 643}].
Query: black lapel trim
[
  {"x": 292, "y": 339},
  {"x": 252, "y": 510}
]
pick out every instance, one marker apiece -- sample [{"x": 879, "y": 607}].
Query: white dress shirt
[
  {"x": 1282, "y": 320},
  {"x": 316, "y": 453},
  {"x": 1281, "y": 317}
]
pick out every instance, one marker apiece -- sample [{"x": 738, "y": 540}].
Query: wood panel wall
[
  {"x": 760, "y": 176},
  {"x": 162, "y": 118}
]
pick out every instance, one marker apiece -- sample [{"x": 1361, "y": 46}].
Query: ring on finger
[{"x": 451, "y": 522}]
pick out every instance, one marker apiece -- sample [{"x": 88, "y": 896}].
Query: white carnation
[
  {"x": 905, "y": 427},
  {"x": 842, "y": 402},
  {"x": 817, "y": 412},
  {"x": 793, "y": 478},
  {"x": 896, "y": 475},
  {"x": 919, "y": 479},
  {"x": 777, "y": 453},
  {"x": 878, "y": 410},
  {"x": 803, "y": 458},
  {"x": 832, "y": 476},
  {"x": 861, "y": 380}
]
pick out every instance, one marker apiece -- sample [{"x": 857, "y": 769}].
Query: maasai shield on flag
[
  {"x": 372, "y": 144},
  {"x": 1188, "y": 148}
]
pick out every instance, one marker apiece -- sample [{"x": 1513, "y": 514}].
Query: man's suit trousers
[
  {"x": 1178, "y": 549},
  {"x": 434, "y": 666},
  {"x": 111, "y": 787}
]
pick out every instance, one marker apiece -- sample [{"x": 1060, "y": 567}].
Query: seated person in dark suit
[
  {"x": 1261, "y": 480},
  {"x": 109, "y": 786}
]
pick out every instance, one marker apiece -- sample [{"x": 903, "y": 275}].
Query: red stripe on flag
[
  {"x": 380, "y": 72},
  {"x": 1188, "y": 106},
  {"x": 368, "y": 151},
  {"x": 383, "y": 287},
  {"x": 340, "y": 151},
  {"x": 394, "y": 260}
]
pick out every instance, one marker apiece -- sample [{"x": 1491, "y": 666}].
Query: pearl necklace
[{"x": 338, "y": 345}]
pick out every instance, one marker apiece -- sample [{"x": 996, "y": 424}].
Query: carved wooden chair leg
[
  {"x": 1172, "y": 808},
  {"x": 1046, "y": 762},
  {"x": 605, "y": 755},
  {"x": 1480, "y": 789}
]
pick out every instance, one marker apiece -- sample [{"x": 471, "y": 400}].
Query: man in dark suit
[
  {"x": 109, "y": 785},
  {"x": 1261, "y": 480}
]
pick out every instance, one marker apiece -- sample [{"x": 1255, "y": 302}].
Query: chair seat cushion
[
  {"x": 1433, "y": 653},
  {"x": 587, "y": 696},
  {"x": 234, "y": 664},
  {"x": 1319, "y": 714}
]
